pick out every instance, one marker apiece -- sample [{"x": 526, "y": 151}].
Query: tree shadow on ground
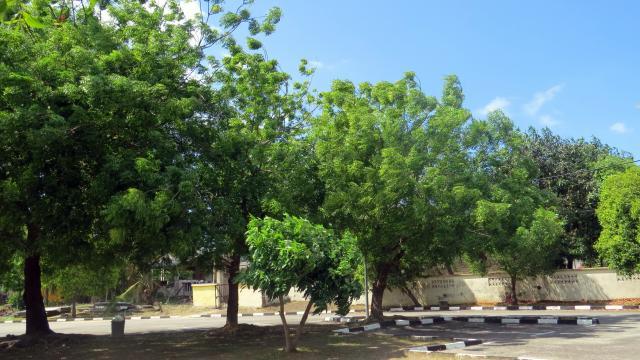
[{"x": 249, "y": 342}]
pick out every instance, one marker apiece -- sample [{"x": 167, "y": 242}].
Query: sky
[{"x": 570, "y": 65}]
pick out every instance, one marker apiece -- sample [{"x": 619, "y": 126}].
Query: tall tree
[
  {"x": 569, "y": 168},
  {"x": 393, "y": 163},
  {"x": 619, "y": 215},
  {"x": 516, "y": 226},
  {"x": 91, "y": 117},
  {"x": 251, "y": 160}
]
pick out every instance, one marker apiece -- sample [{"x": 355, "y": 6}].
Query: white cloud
[
  {"x": 638, "y": 105},
  {"x": 540, "y": 98},
  {"x": 316, "y": 64},
  {"x": 619, "y": 128},
  {"x": 548, "y": 121},
  {"x": 191, "y": 9},
  {"x": 499, "y": 103}
]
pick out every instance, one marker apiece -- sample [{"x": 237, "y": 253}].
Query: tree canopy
[
  {"x": 619, "y": 215},
  {"x": 293, "y": 253}
]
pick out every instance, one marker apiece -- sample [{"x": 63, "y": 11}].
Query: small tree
[
  {"x": 530, "y": 249},
  {"x": 619, "y": 216},
  {"x": 294, "y": 253}
]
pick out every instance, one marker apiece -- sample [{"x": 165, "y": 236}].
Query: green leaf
[{"x": 32, "y": 21}]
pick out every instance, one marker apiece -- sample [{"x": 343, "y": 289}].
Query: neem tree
[
  {"x": 619, "y": 215},
  {"x": 515, "y": 223},
  {"x": 91, "y": 137},
  {"x": 294, "y": 253},
  {"x": 393, "y": 162}
]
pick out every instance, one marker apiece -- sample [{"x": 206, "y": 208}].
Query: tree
[
  {"x": 515, "y": 224},
  {"x": 570, "y": 169},
  {"x": 74, "y": 282},
  {"x": 91, "y": 120},
  {"x": 393, "y": 164},
  {"x": 261, "y": 165},
  {"x": 294, "y": 253},
  {"x": 619, "y": 215}
]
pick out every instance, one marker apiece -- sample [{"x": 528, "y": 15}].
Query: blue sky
[{"x": 569, "y": 65}]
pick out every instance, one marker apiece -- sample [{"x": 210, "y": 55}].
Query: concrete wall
[{"x": 565, "y": 285}]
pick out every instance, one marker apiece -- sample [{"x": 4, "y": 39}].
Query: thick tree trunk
[
  {"x": 232, "y": 268},
  {"x": 377, "y": 291},
  {"x": 37, "y": 323},
  {"x": 405, "y": 289},
  {"x": 288, "y": 344},
  {"x": 301, "y": 325},
  {"x": 514, "y": 294}
]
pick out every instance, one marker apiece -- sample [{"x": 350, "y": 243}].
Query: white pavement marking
[
  {"x": 543, "y": 333},
  {"x": 402, "y": 322},
  {"x": 613, "y": 307},
  {"x": 510, "y": 321},
  {"x": 547, "y": 321},
  {"x": 583, "y": 307},
  {"x": 456, "y": 345},
  {"x": 371, "y": 327}
]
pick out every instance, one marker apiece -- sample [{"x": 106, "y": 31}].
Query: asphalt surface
[{"x": 616, "y": 337}]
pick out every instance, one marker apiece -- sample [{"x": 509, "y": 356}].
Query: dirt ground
[{"x": 249, "y": 342}]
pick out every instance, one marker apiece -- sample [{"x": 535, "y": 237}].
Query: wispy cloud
[
  {"x": 619, "y": 128},
  {"x": 548, "y": 121},
  {"x": 540, "y": 98},
  {"x": 495, "y": 104},
  {"x": 638, "y": 105},
  {"x": 317, "y": 64}
]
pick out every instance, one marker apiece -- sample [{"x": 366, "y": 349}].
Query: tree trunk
[
  {"x": 73, "y": 308},
  {"x": 288, "y": 345},
  {"x": 377, "y": 291},
  {"x": 301, "y": 325},
  {"x": 514, "y": 294},
  {"x": 37, "y": 323},
  {"x": 405, "y": 289},
  {"x": 232, "y": 268}
]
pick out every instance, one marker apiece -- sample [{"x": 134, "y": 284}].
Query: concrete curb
[
  {"x": 261, "y": 314},
  {"x": 511, "y": 308},
  {"x": 540, "y": 320},
  {"x": 457, "y": 344}
]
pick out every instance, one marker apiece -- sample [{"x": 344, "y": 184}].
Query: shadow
[
  {"x": 249, "y": 342},
  {"x": 578, "y": 286}
]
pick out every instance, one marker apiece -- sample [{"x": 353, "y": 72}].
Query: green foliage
[
  {"x": 516, "y": 225},
  {"x": 619, "y": 215},
  {"x": 573, "y": 169},
  {"x": 394, "y": 163},
  {"x": 294, "y": 253},
  {"x": 77, "y": 281}
]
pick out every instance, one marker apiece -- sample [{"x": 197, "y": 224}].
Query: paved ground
[
  {"x": 103, "y": 327},
  {"x": 615, "y": 338}
]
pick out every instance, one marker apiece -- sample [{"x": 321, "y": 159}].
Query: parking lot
[{"x": 614, "y": 338}]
